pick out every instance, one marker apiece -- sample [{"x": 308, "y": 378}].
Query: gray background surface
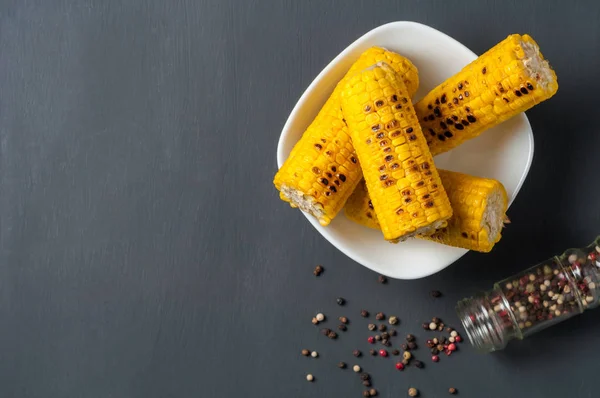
[{"x": 145, "y": 252}]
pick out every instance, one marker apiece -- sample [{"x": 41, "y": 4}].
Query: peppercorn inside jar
[{"x": 534, "y": 299}]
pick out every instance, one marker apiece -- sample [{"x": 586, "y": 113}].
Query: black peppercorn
[
  {"x": 343, "y": 319},
  {"x": 356, "y": 353},
  {"x": 419, "y": 364},
  {"x": 404, "y": 346},
  {"x": 325, "y": 332},
  {"x": 342, "y": 365},
  {"x": 436, "y": 293},
  {"x": 318, "y": 270},
  {"x": 366, "y": 383},
  {"x": 412, "y": 345},
  {"x": 395, "y": 352},
  {"x": 364, "y": 313},
  {"x": 380, "y": 316},
  {"x": 365, "y": 376},
  {"x": 382, "y": 279},
  {"x": 340, "y": 301},
  {"x": 342, "y": 327},
  {"x": 382, "y": 328},
  {"x": 385, "y": 335},
  {"x": 410, "y": 337},
  {"x": 371, "y": 326},
  {"x": 373, "y": 352},
  {"x": 332, "y": 335}
]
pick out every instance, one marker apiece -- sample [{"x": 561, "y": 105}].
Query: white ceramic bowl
[{"x": 503, "y": 153}]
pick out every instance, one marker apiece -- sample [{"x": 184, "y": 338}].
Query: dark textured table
[{"x": 145, "y": 252}]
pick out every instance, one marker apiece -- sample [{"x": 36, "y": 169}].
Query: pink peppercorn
[
  {"x": 458, "y": 339},
  {"x": 399, "y": 366},
  {"x": 452, "y": 347},
  {"x": 593, "y": 256},
  {"x": 371, "y": 340},
  {"x": 435, "y": 358},
  {"x": 383, "y": 353},
  {"x": 448, "y": 352}
]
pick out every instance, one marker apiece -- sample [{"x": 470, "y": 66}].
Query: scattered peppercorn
[
  {"x": 320, "y": 317},
  {"x": 382, "y": 328},
  {"x": 407, "y": 355},
  {"x": 436, "y": 293},
  {"x": 325, "y": 332},
  {"x": 412, "y": 345},
  {"x": 393, "y": 332},
  {"x": 413, "y": 392},
  {"x": 377, "y": 337},
  {"x": 305, "y": 352},
  {"x": 372, "y": 392},
  {"x": 365, "y": 376},
  {"x": 371, "y": 340},
  {"x": 383, "y": 353},
  {"x": 399, "y": 366},
  {"x": 356, "y": 353},
  {"x": 404, "y": 346},
  {"x": 435, "y": 358},
  {"x": 366, "y": 393},
  {"x": 315, "y": 321},
  {"x": 436, "y": 320},
  {"x": 395, "y": 352},
  {"x": 366, "y": 383},
  {"x": 318, "y": 270},
  {"x": 419, "y": 364},
  {"x": 364, "y": 313},
  {"x": 332, "y": 335},
  {"x": 343, "y": 319},
  {"x": 385, "y": 335},
  {"x": 342, "y": 327},
  {"x": 372, "y": 326},
  {"x": 382, "y": 279},
  {"x": 356, "y": 368},
  {"x": 373, "y": 352},
  {"x": 432, "y": 326},
  {"x": 380, "y": 316},
  {"x": 314, "y": 354},
  {"x": 340, "y": 301},
  {"x": 425, "y": 326},
  {"x": 309, "y": 377},
  {"x": 342, "y": 365},
  {"x": 393, "y": 320},
  {"x": 410, "y": 337},
  {"x": 452, "y": 390}
]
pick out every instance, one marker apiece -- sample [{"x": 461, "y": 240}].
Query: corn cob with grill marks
[
  {"x": 479, "y": 206},
  {"x": 508, "y": 79},
  {"x": 322, "y": 169},
  {"x": 398, "y": 169}
]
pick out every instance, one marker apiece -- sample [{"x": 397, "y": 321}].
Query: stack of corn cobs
[{"x": 369, "y": 128}]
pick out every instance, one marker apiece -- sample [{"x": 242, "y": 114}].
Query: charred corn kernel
[
  {"x": 508, "y": 79},
  {"x": 479, "y": 206},
  {"x": 322, "y": 169},
  {"x": 399, "y": 210}
]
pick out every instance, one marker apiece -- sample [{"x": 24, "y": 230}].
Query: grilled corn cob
[
  {"x": 322, "y": 169},
  {"x": 479, "y": 206},
  {"x": 508, "y": 79},
  {"x": 399, "y": 172}
]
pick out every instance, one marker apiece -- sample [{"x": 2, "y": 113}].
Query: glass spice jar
[{"x": 534, "y": 299}]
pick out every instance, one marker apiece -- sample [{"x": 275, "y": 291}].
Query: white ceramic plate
[{"x": 503, "y": 153}]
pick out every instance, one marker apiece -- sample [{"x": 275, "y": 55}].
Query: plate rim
[{"x": 285, "y": 131}]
